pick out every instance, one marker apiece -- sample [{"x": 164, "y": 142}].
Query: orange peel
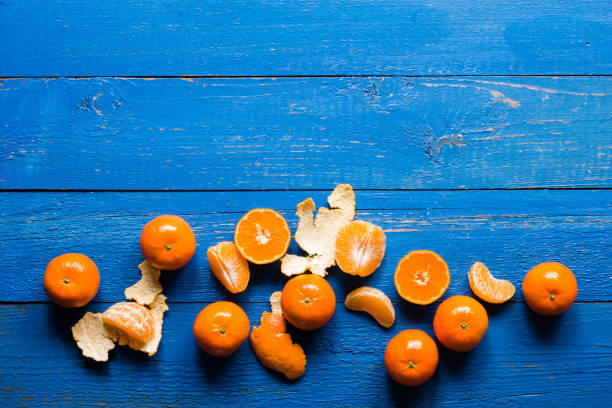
[
  {"x": 274, "y": 347},
  {"x": 95, "y": 338},
  {"x": 147, "y": 288},
  {"x": 317, "y": 235}
]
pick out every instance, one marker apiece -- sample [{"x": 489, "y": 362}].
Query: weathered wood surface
[
  {"x": 510, "y": 231},
  {"x": 524, "y": 360},
  {"x": 429, "y": 109},
  {"x": 300, "y": 133},
  {"x": 333, "y": 37}
]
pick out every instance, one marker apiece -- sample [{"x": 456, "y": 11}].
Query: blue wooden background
[{"x": 480, "y": 130}]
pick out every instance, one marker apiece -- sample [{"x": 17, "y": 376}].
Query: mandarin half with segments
[
  {"x": 550, "y": 288},
  {"x": 308, "y": 301},
  {"x": 131, "y": 318},
  {"x": 167, "y": 242},
  {"x": 229, "y": 266},
  {"x": 460, "y": 323},
  {"x": 221, "y": 328},
  {"x": 360, "y": 248},
  {"x": 486, "y": 287},
  {"x": 71, "y": 280},
  {"x": 411, "y": 357},
  {"x": 421, "y": 277},
  {"x": 262, "y": 236}
]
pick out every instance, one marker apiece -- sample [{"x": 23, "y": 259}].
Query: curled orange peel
[
  {"x": 317, "y": 235},
  {"x": 273, "y": 347}
]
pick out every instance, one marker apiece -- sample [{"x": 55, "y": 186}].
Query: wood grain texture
[
  {"x": 509, "y": 231},
  {"x": 524, "y": 359},
  {"x": 296, "y": 133},
  {"x": 438, "y": 37}
]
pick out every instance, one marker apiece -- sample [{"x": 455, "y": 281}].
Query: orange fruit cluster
[
  {"x": 72, "y": 280},
  {"x": 307, "y": 301},
  {"x": 460, "y": 322}
]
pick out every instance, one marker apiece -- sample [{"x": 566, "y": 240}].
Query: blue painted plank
[
  {"x": 510, "y": 231},
  {"x": 436, "y": 37},
  {"x": 296, "y": 133},
  {"x": 524, "y": 359}
]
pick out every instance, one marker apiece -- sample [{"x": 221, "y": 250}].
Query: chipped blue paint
[
  {"x": 296, "y": 133},
  {"x": 524, "y": 359},
  {"x": 333, "y": 37},
  {"x": 460, "y": 164},
  {"x": 509, "y": 231}
]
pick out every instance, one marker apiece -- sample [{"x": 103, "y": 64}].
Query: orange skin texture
[
  {"x": 308, "y": 301},
  {"x": 221, "y": 328},
  {"x": 131, "y": 318},
  {"x": 274, "y": 348},
  {"x": 71, "y": 280},
  {"x": 460, "y": 323},
  {"x": 550, "y": 288},
  {"x": 411, "y": 357},
  {"x": 167, "y": 242}
]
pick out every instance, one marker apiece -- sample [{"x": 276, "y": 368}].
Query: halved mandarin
[
  {"x": 229, "y": 266},
  {"x": 486, "y": 287},
  {"x": 131, "y": 318},
  {"x": 262, "y": 236},
  {"x": 374, "y": 302},
  {"x": 421, "y": 277},
  {"x": 360, "y": 248}
]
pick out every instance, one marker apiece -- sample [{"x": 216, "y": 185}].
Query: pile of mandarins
[{"x": 307, "y": 301}]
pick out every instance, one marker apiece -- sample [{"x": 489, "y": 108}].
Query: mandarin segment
[
  {"x": 374, "y": 302},
  {"x": 317, "y": 235},
  {"x": 421, "y": 277},
  {"x": 486, "y": 287},
  {"x": 262, "y": 236},
  {"x": 229, "y": 266},
  {"x": 133, "y": 319},
  {"x": 360, "y": 248}
]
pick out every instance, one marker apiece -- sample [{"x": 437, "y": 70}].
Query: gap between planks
[
  {"x": 187, "y": 77},
  {"x": 102, "y": 190},
  {"x": 267, "y": 302}
]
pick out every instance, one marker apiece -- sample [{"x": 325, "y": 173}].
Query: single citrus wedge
[
  {"x": 360, "y": 248},
  {"x": 229, "y": 266},
  {"x": 374, "y": 302},
  {"x": 486, "y": 287},
  {"x": 421, "y": 277},
  {"x": 262, "y": 236},
  {"x": 131, "y": 318}
]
